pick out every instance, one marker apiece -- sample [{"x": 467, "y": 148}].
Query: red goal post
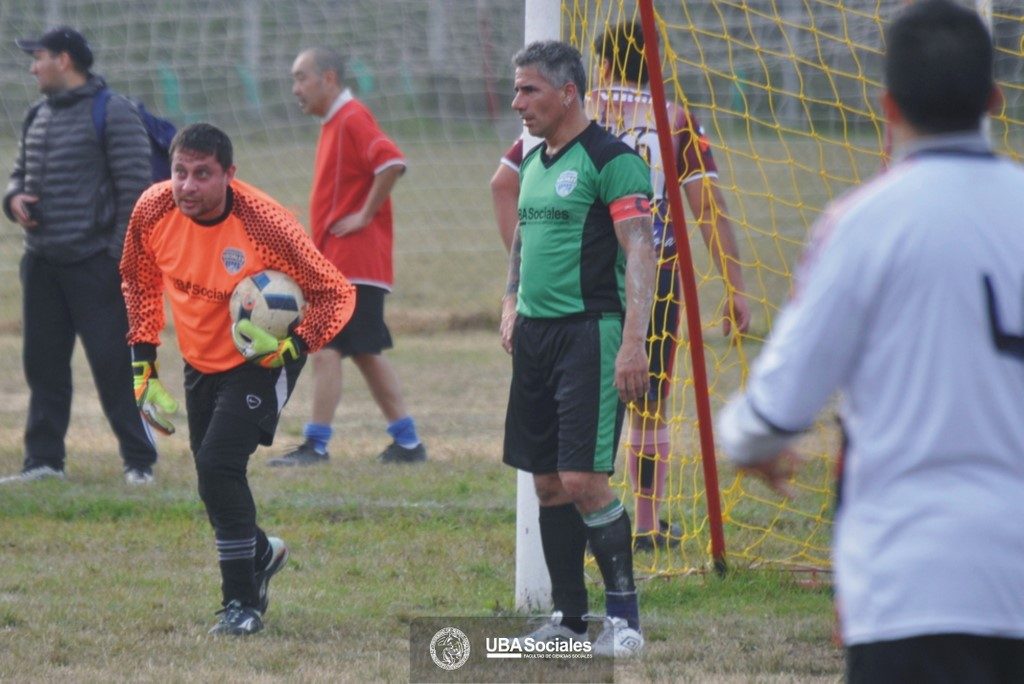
[{"x": 691, "y": 306}]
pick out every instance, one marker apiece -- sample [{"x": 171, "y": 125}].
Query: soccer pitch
[{"x": 99, "y": 582}]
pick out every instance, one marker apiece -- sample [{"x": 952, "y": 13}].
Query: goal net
[
  {"x": 436, "y": 75},
  {"x": 785, "y": 90},
  {"x": 787, "y": 94}
]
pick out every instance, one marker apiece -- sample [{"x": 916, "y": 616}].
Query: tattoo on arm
[
  {"x": 636, "y": 238},
  {"x": 515, "y": 260}
]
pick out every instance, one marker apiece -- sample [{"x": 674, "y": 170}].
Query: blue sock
[
  {"x": 318, "y": 435},
  {"x": 403, "y": 431},
  {"x": 624, "y": 605}
]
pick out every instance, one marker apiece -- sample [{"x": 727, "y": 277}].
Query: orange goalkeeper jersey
[{"x": 198, "y": 266}]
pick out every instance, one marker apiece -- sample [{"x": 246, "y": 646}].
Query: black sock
[
  {"x": 610, "y": 542},
  {"x": 238, "y": 570},
  {"x": 564, "y": 539},
  {"x": 238, "y": 581}
]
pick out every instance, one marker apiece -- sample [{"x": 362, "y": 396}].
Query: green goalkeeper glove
[
  {"x": 154, "y": 401},
  {"x": 260, "y": 347}
]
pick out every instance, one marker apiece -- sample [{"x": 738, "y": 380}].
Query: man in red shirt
[{"x": 356, "y": 167}]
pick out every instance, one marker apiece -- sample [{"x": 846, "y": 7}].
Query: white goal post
[{"x": 533, "y": 585}]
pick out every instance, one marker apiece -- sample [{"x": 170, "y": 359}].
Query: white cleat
[
  {"x": 33, "y": 474},
  {"x": 138, "y": 476},
  {"x": 618, "y": 640}
]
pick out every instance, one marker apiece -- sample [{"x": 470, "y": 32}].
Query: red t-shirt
[
  {"x": 513, "y": 156},
  {"x": 351, "y": 151}
]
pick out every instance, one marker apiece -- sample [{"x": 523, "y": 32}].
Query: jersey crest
[
  {"x": 566, "y": 183},
  {"x": 233, "y": 259}
]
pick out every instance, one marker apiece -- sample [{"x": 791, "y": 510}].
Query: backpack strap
[
  {"x": 30, "y": 116},
  {"x": 99, "y": 113}
]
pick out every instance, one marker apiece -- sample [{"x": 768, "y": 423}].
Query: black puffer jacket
[{"x": 86, "y": 193}]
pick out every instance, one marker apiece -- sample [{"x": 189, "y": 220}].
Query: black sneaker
[
  {"x": 278, "y": 557},
  {"x": 237, "y": 620},
  {"x": 303, "y": 455},
  {"x": 395, "y": 453},
  {"x": 667, "y": 537}
]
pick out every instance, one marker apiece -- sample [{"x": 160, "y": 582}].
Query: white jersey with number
[{"x": 910, "y": 302}]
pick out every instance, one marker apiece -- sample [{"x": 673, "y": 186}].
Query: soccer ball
[{"x": 270, "y": 299}]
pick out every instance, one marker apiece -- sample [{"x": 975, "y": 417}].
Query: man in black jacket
[{"x": 72, "y": 191}]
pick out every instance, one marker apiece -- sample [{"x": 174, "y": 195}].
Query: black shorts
[
  {"x": 936, "y": 659},
  {"x": 366, "y": 332},
  {"x": 564, "y": 413},
  {"x": 254, "y": 394},
  {"x": 663, "y": 333}
]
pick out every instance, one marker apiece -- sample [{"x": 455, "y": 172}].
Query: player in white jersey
[
  {"x": 909, "y": 304},
  {"x": 623, "y": 104}
]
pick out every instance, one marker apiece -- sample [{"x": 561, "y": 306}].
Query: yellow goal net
[{"x": 787, "y": 94}]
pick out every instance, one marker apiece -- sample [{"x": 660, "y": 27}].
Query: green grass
[{"x": 100, "y": 582}]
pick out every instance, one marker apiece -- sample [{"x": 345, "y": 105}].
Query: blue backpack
[{"x": 160, "y": 131}]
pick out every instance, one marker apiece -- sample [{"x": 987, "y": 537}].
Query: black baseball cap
[{"x": 61, "y": 39}]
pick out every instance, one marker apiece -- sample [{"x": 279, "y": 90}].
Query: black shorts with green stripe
[{"x": 564, "y": 412}]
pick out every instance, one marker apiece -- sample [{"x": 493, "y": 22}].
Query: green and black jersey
[{"x": 571, "y": 259}]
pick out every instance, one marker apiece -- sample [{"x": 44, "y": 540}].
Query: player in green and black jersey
[{"x": 574, "y": 318}]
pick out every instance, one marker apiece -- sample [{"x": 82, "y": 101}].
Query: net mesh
[
  {"x": 785, "y": 89},
  {"x": 787, "y": 93},
  {"x": 436, "y": 75}
]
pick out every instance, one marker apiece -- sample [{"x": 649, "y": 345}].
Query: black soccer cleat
[
  {"x": 303, "y": 455},
  {"x": 237, "y": 620},
  {"x": 395, "y": 453},
  {"x": 667, "y": 537},
  {"x": 278, "y": 558}
]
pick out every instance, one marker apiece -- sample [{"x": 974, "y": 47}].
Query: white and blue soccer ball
[{"x": 270, "y": 299}]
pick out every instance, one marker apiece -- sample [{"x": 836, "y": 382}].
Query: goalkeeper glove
[
  {"x": 154, "y": 401},
  {"x": 260, "y": 347}
]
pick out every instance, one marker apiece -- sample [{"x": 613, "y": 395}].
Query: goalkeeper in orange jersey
[
  {"x": 623, "y": 104},
  {"x": 196, "y": 237}
]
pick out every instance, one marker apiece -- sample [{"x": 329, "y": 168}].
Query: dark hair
[
  {"x": 558, "y": 63},
  {"x": 206, "y": 139},
  {"x": 622, "y": 46},
  {"x": 327, "y": 59},
  {"x": 938, "y": 66}
]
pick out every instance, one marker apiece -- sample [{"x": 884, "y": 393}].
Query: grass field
[
  {"x": 99, "y": 582},
  {"x": 102, "y": 583}
]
